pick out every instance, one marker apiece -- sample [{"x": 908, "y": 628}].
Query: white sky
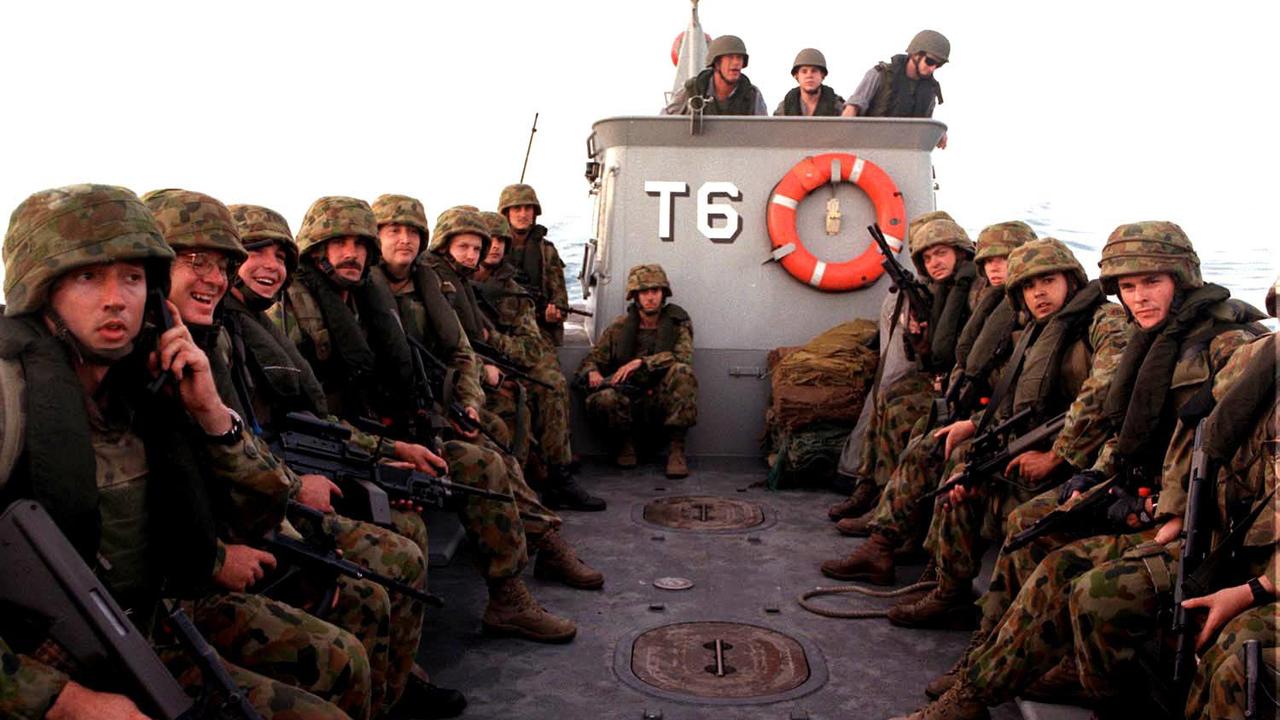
[{"x": 1113, "y": 111}]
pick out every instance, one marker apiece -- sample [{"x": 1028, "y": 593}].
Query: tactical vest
[
  {"x": 742, "y": 101},
  {"x": 457, "y": 289},
  {"x": 1058, "y": 362},
  {"x": 899, "y": 95},
  {"x": 828, "y": 103},
  {"x": 280, "y": 379},
  {"x": 950, "y": 313},
  {"x": 527, "y": 260},
  {"x": 669, "y": 321},
  {"x": 501, "y": 298}
]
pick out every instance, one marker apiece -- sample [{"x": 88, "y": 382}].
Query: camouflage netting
[{"x": 817, "y": 395}]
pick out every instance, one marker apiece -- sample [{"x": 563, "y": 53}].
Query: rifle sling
[
  {"x": 1199, "y": 581},
  {"x": 1008, "y": 377}
]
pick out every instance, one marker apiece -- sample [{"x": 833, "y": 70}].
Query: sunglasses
[
  {"x": 204, "y": 265},
  {"x": 932, "y": 62}
]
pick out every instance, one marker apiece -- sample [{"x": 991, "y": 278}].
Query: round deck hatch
[{"x": 703, "y": 513}]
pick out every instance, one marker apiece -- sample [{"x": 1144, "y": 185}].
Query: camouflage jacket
[
  {"x": 607, "y": 354},
  {"x": 1085, "y": 428},
  {"x": 551, "y": 287},
  {"x": 514, "y": 317}
]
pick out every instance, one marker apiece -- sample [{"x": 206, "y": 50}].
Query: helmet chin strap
[
  {"x": 84, "y": 354},
  {"x": 253, "y": 300}
]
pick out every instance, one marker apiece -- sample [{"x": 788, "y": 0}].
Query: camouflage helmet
[
  {"x": 726, "y": 45},
  {"x": 913, "y": 228},
  {"x": 499, "y": 228},
  {"x": 932, "y": 42},
  {"x": 56, "y": 231},
  {"x": 1149, "y": 247},
  {"x": 194, "y": 221},
  {"x": 260, "y": 226},
  {"x": 643, "y": 277},
  {"x": 938, "y": 232},
  {"x": 456, "y": 221},
  {"x": 1040, "y": 257},
  {"x": 809, "y": 56},
  {"x": 517, "y": 195},
  {"x": 1000, "y": 239},
  {"x": 401, "y": 210},
  {"x": 335, "y": 216}
]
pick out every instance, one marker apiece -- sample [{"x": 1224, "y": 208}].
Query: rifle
[
  {"x": 626, "y": 388},
  {"x": 919, "y": 299},
  {"x": 540, "y": 301},
  {"x": 1082, "y": 514},
  {"x": 49, "y": 584},
  {"x": 456, "y": 412},
  {"x": 506, "y": 364},
  {"x": 321, "y": 555},
  {"x": 990, "y": 452},
  {"x": 1195, "y": 548},
  {"x": 311, "y": 445}
]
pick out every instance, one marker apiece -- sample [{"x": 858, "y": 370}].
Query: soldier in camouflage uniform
[
  {"x": 339, "y": 232},
  {"x": 640, "y": 371},
  {"x": 62, "y": 332},
  {"x": 539, "y": 269},
  {"x": 1186, "y": 330},
  {"x": 516, "y": 334},
  {"x": 1219, "y": 690},
  {"x": 898, "y": 517}
]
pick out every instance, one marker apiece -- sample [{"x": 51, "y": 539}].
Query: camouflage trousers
[
  {"x": 671, "y": 403},
  {"x": 904, "y": 403},
  {"x": 274, "y": 700},
  {"x": 289, "y": 646},
  {"x": 1218, "y": 689},
  {"x": 400, "y": 555},
  {"x": 497, "y": 528},
  {"x": 1035, "y": 633},
  {"x": 1117, "y": 605},
  {"x": 551, "y": 410},
  {"x": 899, "y": 513},
  {"x": 516, "y": 415},
  {"x": 960, "y": 534}
]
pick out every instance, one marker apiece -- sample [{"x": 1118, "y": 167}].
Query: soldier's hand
[
  {"x": 469, "y": 434},
  {"x": 317, "y": 492},
  {"x": 1169, "y": 531},
  {"x": 423, "y": 460},
  {"x": 942, "y": 144},
  {"x": 492, "y": 376},
  {"x": 243, "y": 567},
  {"x": 178, "y": 353},
  {"x": 77, "y": 702},
  {"x": 1222, "y": 606},
  {"x": 553, "y": 314},
  {"x": 1034, "y": 465},
  {"x": 621, "y": 374},
  {"x": 960, "y": 494},
  {"x": 594, "y": 379},
  {"x": 955, "y": 433}
]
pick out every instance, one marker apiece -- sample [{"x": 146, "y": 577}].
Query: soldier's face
[
  {"x": 809, "y": 77},
  {"x": 102, "y": 305},
  {"x": 939, "y": 261},
  {"x": 650, "y": 300},
  {"x": 348, "y": 256},
  {"x": 730, "y": 67},
  {"x": 197, "y": 282},
  {"x": 1045, "y": 295},
  {"x": 265, "y": 270},
  {"x": 1148, "y": 296},
  {"x": 400, "y": 243},
  {"x": 497, "y": 251},
  {"x": 465, "y": 249},
  {"x": 996, "y": 269},
  {"x": 521, "y": 217},
  {"x": 926, "y": 65}
]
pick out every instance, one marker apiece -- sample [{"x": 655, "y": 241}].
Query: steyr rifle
[
  {"x": 919, "y": 299},
  {"x": 439, "y": 380},
  {"x": 506, "y": 364},
  {"x": 991, "y": 451},
  {"x": 1195, "y": 549}
]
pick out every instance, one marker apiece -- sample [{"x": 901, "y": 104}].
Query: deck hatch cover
[
  {"x": 720, "y": 661},
  {"x": 703, "y": 512}
]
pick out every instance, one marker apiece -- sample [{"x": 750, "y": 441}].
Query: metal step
[
  {"x": 444, "y": 537},
  {"x": 1044, "y": 711}
]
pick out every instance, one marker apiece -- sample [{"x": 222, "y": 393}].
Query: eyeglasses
[
  {"x": 204, "y": 264},
  {"x": 933, "y": 62}
]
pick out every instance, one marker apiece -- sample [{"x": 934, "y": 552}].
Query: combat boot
[
  {"x": 872, "y": 562},
  {"x": 943, "y": 682},
  {"x": 944, "y": 608},
  {"x": 910, "y": 552},
  {"x": 677, "y": 466},
  {"x": 958, "y": 703},
  {"x": 856, "y": 526},
  {"x": 512, "y": 611},
  {"x": 557, "y": 561},
  {"x": 626, "y": 457},
  {"x": 860, "y": 501},
  {"x": 1060, "y": 686},
  {"x": 564, "y": 493},
  {"x": 422, "y": 700}
]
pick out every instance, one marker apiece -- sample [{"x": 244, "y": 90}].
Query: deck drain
[
  {"x": 721, "y": 663},
  {"x": 703, "y": 513}
]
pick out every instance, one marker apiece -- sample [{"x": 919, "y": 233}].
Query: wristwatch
[
  {"x": 230, "y": 437},
  {"x": 1260, "y": 594}
]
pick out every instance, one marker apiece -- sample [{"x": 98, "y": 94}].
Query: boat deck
[{"x": 754, "y": 576}]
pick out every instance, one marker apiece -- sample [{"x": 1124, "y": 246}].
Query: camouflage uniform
[
  {"x": 1218, "y": 690},
  {"x": 84, "y": 225},
  {"x": 538, "y": 266}
]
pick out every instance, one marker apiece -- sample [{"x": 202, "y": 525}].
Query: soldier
[
  {"x": 897, "y": 517},
  {"x": 1186, "y": 330},
  {"x": 339, "y": 235},
  {"x": 722, "y": 88},
  {"x": 512, "y": 315},
  {"x": 648, "y": 356},
  {"x": 810, "y": 97},
  {"x": 904, "y": 86},
  {"x": 79, "y": 261},
  {"x": 539, "y": 269}
]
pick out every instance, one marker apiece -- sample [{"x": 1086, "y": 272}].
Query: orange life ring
[{"x": 808, "y": 175}]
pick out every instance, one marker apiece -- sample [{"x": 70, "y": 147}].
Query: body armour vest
[
  {"x": 1058, "y": 362},
  {"x": 668, "y": 325},
  {"x": 742, "y": 101},
  {"x": 828, "y": 103},
  {"x": 899, "y": 95}
]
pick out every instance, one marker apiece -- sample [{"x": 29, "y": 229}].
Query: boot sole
[
  {"x": 860, "y": 577},
  {"x": 951, "y": 620},
  {"x": 547, "y": 575},
  {"x": 677, "y": 476},
  {"x": 493, "y": 630}
]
